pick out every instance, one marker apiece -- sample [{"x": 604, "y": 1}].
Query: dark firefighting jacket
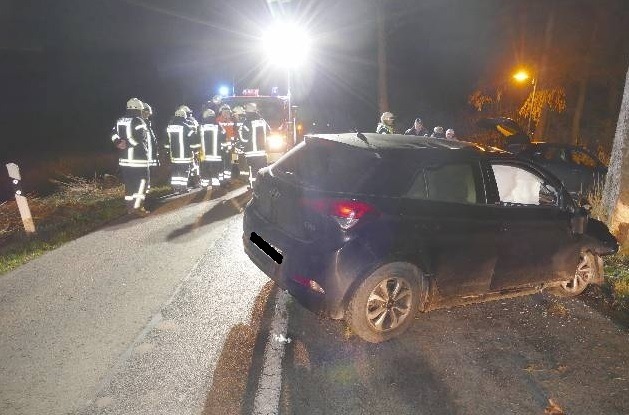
[
  {"x": 252, "y": 135},
  {"x": 210, "y": 141},
  {"x": 140, "y": 150},
  {"x": 182, "y": 140}
]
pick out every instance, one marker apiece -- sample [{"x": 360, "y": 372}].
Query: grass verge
[{"x": 79, "y": 207}]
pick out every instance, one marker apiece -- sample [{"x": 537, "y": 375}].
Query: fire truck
[{"x": 281, "y": 134}]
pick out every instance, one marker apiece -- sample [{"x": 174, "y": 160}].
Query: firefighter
[
  {"x": 182, "y": 142},
  {"x": 147, "y": 115},
  {"x": 252, "y": 134},
  {"x": 386, "y": 124},
  {"x": 210, "y": 158},
  {"x": 227, "y": 136},
  {"x": 131, "y": 137}
]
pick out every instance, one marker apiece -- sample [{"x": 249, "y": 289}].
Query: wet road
[{"x": 207, "y": 333}]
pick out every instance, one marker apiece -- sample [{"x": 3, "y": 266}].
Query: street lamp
[
  {"x": 523, "y": 76},
  {"x": 287, "y": 45}
]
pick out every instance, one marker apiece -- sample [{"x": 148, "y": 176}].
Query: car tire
[
  {"x": 374, "y": 314},
  {"x": 587, "y": 271}
]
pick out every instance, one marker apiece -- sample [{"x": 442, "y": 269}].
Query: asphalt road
[
  {"x": 129, "y": 319},
  {"x": 166, "y": 315},
  {"x": 505, "y": 357}
]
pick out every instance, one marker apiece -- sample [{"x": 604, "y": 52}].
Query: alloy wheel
[
  {"x": 583, "y": 275},
  {"x": 389, "y": 304}
]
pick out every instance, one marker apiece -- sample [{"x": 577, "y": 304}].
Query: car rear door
[{"x": 535, "y": 240}]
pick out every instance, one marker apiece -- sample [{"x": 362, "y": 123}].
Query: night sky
[{"x": 67, "y": 68}]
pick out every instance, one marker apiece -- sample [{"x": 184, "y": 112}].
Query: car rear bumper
[{"x": 300, "y": 260}]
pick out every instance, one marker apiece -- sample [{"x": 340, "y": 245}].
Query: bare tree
[
  {"x": 616, "y": 190},
  {"x": 383, "y": 94}
]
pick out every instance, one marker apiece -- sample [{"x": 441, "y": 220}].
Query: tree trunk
[
  {"x": 583, "y": 83},
  {"x": 616, "y": 190},
  {"x": 383, "y": 93},
  {"x": 542, "y": 71}
]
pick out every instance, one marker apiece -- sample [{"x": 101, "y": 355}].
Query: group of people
[
  {"x": 196, "y": 149},
  {"x": 387, "y": 126}
]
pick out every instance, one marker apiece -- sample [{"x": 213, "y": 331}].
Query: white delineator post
[{"x": 22, "y": 203}]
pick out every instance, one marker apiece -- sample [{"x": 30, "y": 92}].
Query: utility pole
[
  {"x": 383, "y": 92},
  {"x": 616, "y": 190}
]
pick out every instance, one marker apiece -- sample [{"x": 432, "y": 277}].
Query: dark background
[{"x": 67, "y": 67}]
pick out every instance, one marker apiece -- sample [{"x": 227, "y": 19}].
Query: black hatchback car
[{"x": 374, "y": 228}]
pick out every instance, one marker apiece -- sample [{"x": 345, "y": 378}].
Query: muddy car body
[{"x": 373, "y": 228}]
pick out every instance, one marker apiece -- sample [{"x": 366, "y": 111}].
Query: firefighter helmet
[
  {"x": 135, "y": 104},
  {"x": 438, "y": 130},
  {"x": 224, "y": 107},
  {"x": 147, "y": 110},
  {"x": 216, "y": 99},
  {"x": 251, "y": 107},
  {"x": 181, "y": 113},
  {"x": 185, "y": 108},
  {"x": 209, "y": 113},
  {"x": 238, "y": 110},
  {"x": 387, "y": 118}
]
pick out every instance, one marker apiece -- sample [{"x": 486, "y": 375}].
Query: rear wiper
[{"x": 363, "y": 138}]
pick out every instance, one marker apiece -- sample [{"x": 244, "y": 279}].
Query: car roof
[{"x": 373, "y": 141}]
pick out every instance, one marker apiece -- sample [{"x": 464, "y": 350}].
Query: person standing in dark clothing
[
  {"x": 131, "y": 137},
  {"x": 182, "y": 142},
  {"x": 417, "y": 129},
  {"x": 252, "y": 136},
  {"x": 211, "y": 161}
]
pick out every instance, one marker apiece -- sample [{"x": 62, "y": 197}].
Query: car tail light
[
  {"x": 347, "y": 213},
  {"x": 308, "y": 283}
]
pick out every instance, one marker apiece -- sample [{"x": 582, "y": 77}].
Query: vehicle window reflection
[
  {"x": 446, "y": 183},
  {"x": 517, "y": 187}
]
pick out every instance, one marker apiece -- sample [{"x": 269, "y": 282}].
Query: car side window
[
  {"x": 582, "y": 158},
  {"x": 520, "y": 187},
  {"x": 446, "y": 183}
]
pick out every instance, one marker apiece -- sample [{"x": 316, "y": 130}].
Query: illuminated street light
[
  {"x": 522, "y": 76},
  {"x": 287, "y": 45}
]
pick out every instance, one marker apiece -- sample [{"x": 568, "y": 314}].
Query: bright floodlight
[
  {"x": 223, "y": 91},
  {"x": 286, "y": 45},
  {"x": 521, "y": 76}
]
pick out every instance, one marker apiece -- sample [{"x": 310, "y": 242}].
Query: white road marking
[{"x": 267, "y": 398}]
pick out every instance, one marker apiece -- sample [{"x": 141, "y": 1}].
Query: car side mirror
[{"x": 579, "y": 220}]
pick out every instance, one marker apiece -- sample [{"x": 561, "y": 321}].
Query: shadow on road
[
  {"x": 522, "y": 355},
  {"x": 327, "y": 371},
  {"x": 218, "y": 212},
  {"x": 233, "y": 389}
]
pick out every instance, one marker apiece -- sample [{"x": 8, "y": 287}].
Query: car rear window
[{"x": 336, "y": 167}]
